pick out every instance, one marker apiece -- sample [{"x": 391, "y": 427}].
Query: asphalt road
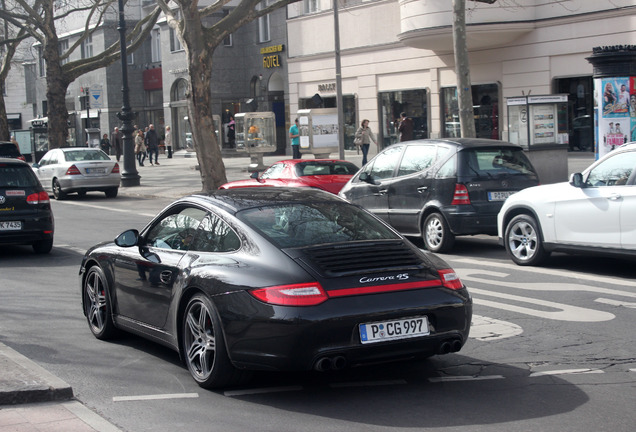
[{"x": 552, "y": 348}]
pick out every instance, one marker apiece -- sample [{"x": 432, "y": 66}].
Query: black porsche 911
[{"x": 274, "y": 279}]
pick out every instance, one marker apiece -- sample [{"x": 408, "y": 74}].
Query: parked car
[
  {"x": 78, "y": 169},
  {"x": 273, "y": 279},
  {"x": 25, "y": 208},
  {"x": 326, "y": 174},
  {"x": 439, "y": 189},
  {"x": 592, "y": 213},
  {"x": 9, "y": 150}
]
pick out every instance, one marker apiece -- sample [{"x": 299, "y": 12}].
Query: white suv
[{"x": 595, "y": 212}]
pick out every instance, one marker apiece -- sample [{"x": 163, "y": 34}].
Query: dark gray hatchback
[
  {"x": 25, "y": 208},
  {"x": 439, "y": 189}
]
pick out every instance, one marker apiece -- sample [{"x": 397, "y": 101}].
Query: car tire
[
  {"x": 523, "y": 241},
  {"x": 437, "y": 235},
  {"x": 204, "y": 347},
  {"x": 58, "y": 193},
  {"x": 97, "y": 304},
  {"x": 43, "y": 246},
  {"x": 81, "y": 194},
  {"x": 112, "y": 192}
]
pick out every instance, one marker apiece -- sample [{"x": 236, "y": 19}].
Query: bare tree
[
  {"x": 462, "y": 68},
  {"x": 39, "y": 19},
  {"x": 199, "y": 41}
]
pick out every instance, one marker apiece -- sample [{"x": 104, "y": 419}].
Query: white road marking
[
  {"x": 560, "y": 312},
  {"x": 616, "y": 303},
  {"x": 262, "y": 390},
  {"x": 464, "y": 378},
  {"x": 487, "y": 329},
  {"x": 367, "y": 383},
  {"x": 131, "y": 210},
  {"x": 566, "y": 372},
  {"x": 544, "y": 271},
  {"x": 155, "y": 397},
  {"x": 71, "y": 248}
]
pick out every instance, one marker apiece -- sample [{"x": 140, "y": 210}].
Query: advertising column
[{"x": 614, "y": 96}]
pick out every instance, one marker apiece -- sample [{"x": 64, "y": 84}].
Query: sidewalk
[{"x": 32, "y": 399}]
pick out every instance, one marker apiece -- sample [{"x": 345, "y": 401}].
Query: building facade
[{"x": 397, "y": 55}]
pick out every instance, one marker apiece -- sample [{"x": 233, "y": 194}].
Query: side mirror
[
  {"x": 127, "y": 238},
  {"x": 254, "y": 175},
  {"x": 366, "y": 177},
  {"x": 36, "y": 165},
  {"x": 576, "y": 180}
]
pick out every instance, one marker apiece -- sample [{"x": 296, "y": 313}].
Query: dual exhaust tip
[{"x": 339, "y": 362}]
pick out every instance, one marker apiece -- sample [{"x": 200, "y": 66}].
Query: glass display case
[
  {"x": 318, "y": 131},
  {"x": 538, "y": 120},
  {"x": 255, "y": 132}
]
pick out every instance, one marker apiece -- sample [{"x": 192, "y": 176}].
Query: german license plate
[
  {"x": 10, "y": 226},
  {"x": 498, "y": 196},
  {"x": 393, "y": 330},
  {"x": 95, "y": 170}
]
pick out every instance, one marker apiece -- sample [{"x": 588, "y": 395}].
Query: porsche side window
[
  {"x": 614, "y": 171},
  {"x": 176, "y": 230},
  {"x": 273, "y": 172},
  {"x": 214, "y": 235}
]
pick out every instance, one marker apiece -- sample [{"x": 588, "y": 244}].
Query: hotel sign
[{"x": 270, "y": 57}]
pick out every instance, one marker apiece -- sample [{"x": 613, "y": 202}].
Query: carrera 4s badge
[{"x": 401, "y": 276}]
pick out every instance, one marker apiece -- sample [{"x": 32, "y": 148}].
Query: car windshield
[
  {"x": 20, "y": 176},
  {"x": 305, "y": 224},
  {"x": 313, "y": 168},
  {"x": 85, "y": 155},
  {"x": 491, "y": 162}
]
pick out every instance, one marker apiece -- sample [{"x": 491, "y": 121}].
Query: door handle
[
  {"x": 165, "y": 276},
  {"x": 422, "y": 189},
  {"x": 614, "y": 197},
  {"x": 382, "y": 191}
]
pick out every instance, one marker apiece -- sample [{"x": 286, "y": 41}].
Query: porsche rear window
[
  {"x": 307, "y": 224},
  {"x": 311, "y": 168},
  {"x": 17, "y": 176}
]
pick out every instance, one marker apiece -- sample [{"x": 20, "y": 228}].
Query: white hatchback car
[{"x": 595, "y": 212}]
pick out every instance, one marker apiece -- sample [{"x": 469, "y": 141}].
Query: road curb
[{"x": 23, "y": 381}]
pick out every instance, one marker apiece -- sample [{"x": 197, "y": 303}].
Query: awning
[
  {"x": 41, "y": 119},
  {"x": 14, "y": 116}
]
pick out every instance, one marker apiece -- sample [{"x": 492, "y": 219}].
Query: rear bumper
[
  {"x": 35, "y": 229},
  {"x": 463, "y": 222},
  {"x": 288, "y": 338},
  {"x": 78, "y": 183}
]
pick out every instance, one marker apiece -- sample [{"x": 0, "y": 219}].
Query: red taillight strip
[{"x": 375, "y": 289}]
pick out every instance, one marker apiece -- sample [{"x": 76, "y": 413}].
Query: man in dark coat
[
  {"x": 152, "y": 143},
  {"x": 406, "y": 128},
  {"x": 117, "y": 143}
]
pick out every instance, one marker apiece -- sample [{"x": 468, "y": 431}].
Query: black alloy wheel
[
  {"x": 204, "y": 347},
  {"x": 97, "y": 306}
]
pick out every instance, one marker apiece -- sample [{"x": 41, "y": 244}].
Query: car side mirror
[
  {"x": 36, "y": 165},
  {"x": 254, "y": 175},
  {"x": 576, "y": 180},
  {"x": 367, "y": 178},
  {"x": 127, "y": 238}
]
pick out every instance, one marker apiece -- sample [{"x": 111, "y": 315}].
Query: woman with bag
[
  {"x": 364, "y": 136},
  {"x": 140, "y": 147}
]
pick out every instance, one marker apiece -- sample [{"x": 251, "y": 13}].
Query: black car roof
[
  {"x": 12, "y": 161},
  {"x": 466, "y": 142},
  {"x": 234, "y": 200}
]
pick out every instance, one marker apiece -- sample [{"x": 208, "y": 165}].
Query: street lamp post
[{"x": 129, "y": 175}]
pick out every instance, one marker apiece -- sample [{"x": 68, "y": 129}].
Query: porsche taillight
[
  {"x": 460, "y": 196},
  {"x": 38, "y": 198},
  {"x": 73, "y": 170},
  {"x": 450, "y": 279},
  {"x": 306, "y": 294}
]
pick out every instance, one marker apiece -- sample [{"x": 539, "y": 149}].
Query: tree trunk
[
  {"x": 199, "y": 51},
  {"x": 4, "y": 124},
  {"x": 56, "y": 86},
  {"x": 462, "y": 69}
]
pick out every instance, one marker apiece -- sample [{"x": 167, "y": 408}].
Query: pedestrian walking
[
  {"x": 140, "y": 147},
  {"x": 366, "y": 135},
  {"x": 104, "y": 144},
  {"x": 168, "y": 141},
  {"x": 294, "y": 135},
  {"x": 231, "y": 132},
  {"x": 152, "y": 144},
  {"x": 117, "y": 143},
  {"x": 406, "y": 128}
]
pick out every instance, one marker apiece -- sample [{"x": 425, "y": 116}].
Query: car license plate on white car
[
  {"x": 498, "y": 196},
  {"x": 10, "y": 226},
  {"x": 393, "y": 330},
  {"x": 95, "y": 170}
]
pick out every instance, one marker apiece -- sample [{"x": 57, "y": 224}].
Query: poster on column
[{"x": 615, "y": 120}]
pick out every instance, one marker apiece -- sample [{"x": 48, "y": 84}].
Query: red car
[{"x": 326, "y": 174}]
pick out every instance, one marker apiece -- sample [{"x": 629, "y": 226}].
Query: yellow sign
[
  {"x": 271, "y": 61},
  {"x": 273, "y": 49}
]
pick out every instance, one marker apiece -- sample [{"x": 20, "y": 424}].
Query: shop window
[
  {"x": 485, "y": 107},
  {"x": 392, "y": 104},
  {"x": 580, "y": 115}
]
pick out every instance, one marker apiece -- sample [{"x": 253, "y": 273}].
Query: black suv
[
  {"x": 25, "y": 208},
  {"x": 438, "y": 189}
]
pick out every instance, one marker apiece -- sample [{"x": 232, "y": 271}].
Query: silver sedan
[{"x": 76, "y": 169}]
